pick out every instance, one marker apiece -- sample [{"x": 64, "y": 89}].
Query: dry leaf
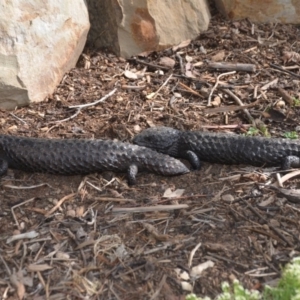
[
  {"x": 186, "y": 286},
  {"x": 153, "y": 231},
  {"x": 290, "y": 56},
  {"x": 170, "y": 194},
  {"x": 219, "y": 56},
  {"x": 182, "y": 274},
  {"x": 272, "y": 83},
  {"x": 38, "y": 268},
  {"x": 188, "y": 70},
  {"x": 150, "y": 96},
  {"x": 80, "y": 211},
  {"x": 188, "y": 58},
  {"x": 286, "y": 96},
  {"x": 135, "y": 75},
  {"x": 115, "y": 193},
  {"x": 145, "y": 53},
  {"x": 266, "y": 202},
  {"x": 62, "y": 255},
  {"x": 16, "y": 280},
  {"x": 12, "y": 128},
  {"x": 216, "y": 101},
  {"x": 159, "y": 72},
  {"x": 198, "y": 64},
  {"x": 26, "y": 235},
  {"x": 274, "y": 114},
  {"x": 71, "y": 213},
  {"x": 227, "y": 198},
  {"x": 130, "y": 75},
  {"x": 197, "y": 270},
  {"x": 291, "y": 195},
  {"x": 181, "y": 45},
  {"x": 167, "y": 62},
  {"x": 137, "y": 128},
  {"x": 280, "y": 104}
]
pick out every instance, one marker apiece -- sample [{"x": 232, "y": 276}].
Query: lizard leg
[
  {"x": 3, "y": 166},
  {"x": 193, "y": 160},
  {"x": 291, "y": 162},
  {"x": 131, "y": 174}
]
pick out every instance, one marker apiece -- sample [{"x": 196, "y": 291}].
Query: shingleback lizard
[
  {"x": 221, "y": 148},
  {"x": 80, "y": 156}
]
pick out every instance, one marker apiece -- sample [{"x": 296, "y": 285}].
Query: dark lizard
[
  {"x": 80, "y": 156},
  {"x": 221, "y": 148}
]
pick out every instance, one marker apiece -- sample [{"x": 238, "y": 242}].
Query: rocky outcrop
[
  {"x": 130, "y": 27},
  {"x": 40, "y": 41},
  {"x": 281, "y": 11}
]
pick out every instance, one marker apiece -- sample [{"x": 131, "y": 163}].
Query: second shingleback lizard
[{"x": 221, "y": 148}]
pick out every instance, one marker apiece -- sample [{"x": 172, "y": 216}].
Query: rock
[
  {"x": 131, "y": 27},
  {"x": 281, "y": 11},
  {"x": 40, "y": 41}
]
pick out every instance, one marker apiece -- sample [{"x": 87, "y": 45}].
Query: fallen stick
[
  {"x": 232, "y": 67},
  {"x": 148, "y": 208}
]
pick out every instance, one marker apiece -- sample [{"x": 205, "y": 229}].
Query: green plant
[
  {"x": 288, "y": 287},
  {"x": 296, "y": 102},
  {"x": 236, "y": 292},
  {"x": 252, "y": 131},
  {"x": 264, "y": 130},
  {"x": 291, "y": 135}
]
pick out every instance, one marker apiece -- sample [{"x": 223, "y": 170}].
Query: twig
[
  {"x": 5, "y": 264},
  {"x": 93, "y": 186},
  {"x": 181, "y": 63},
  {"x": 190, "y": 90},
  {"x": 95, "y": 102},
  {"x": 22, "y": 121},
  {"x": 133, "y": 87},
  {"x": 192, "y": 254},
  {"x": 238, "y": 101},
  {"x": 229, "y": 108},
  {"x": 161, "y": 284},
  {"x": 79, "y": 107},
  {"x": 285, "y": 96},
  {"x": 150, "y": 65},
  {"x": 110, "y": 199},
  {"x": 192, "y": 79},
  {"x": 27, "y": 235},
  {"x": 17, "y": 205},
  {"x": 26, "y": 187},
  {"x": 281, "y": 69},
  {"x": 59, "y": 203},
  {"x": 70, "y": 118},
  {"x": 289, "y": 176},
  {"x": 230, "y": 66},
  {"x": 230, "y": 261},
  {"x": 270, "y": 225},
  {"x": 153, "y": 96},
  {"x": 227, "y": 126},
  {"x": 148, "y": 208},
  {"x": 216, "y": 84}
]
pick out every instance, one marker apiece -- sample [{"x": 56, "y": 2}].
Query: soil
[{"x": 95, "y": 237}]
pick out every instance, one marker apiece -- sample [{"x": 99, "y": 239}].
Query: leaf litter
[{"x": 96, "y": 237}]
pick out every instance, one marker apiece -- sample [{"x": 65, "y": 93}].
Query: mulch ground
[{"x": 95, "y": 237}]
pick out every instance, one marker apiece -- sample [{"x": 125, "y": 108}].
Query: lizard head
[{"x": 161, "y": 139}]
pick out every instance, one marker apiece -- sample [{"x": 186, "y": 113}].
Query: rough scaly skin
[
  {"x": 221, "y": 148},
  {"x": 71, "y": 157}
]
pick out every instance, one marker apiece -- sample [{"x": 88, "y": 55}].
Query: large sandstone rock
[
  {"x": 129, "y": 27},
  {"x": 281, "y": 11},
  {"x": 39, "y": 42}
]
